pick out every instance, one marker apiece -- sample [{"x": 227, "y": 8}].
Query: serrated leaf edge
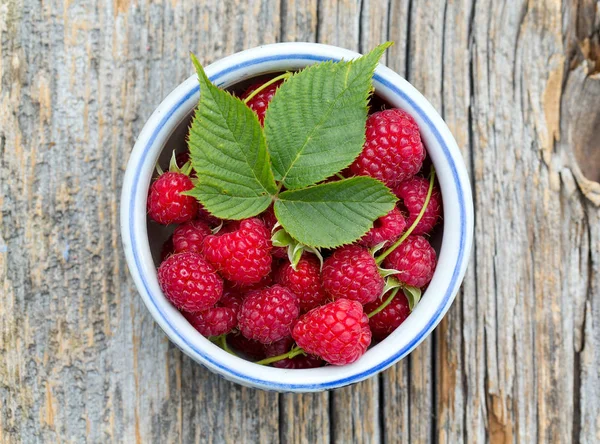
[
  {"x": 382, "y": 47},
  {"x": 333, "y": 245},
  {"x": 211, "y": 87},
  {"x": 205, "y": 180}
]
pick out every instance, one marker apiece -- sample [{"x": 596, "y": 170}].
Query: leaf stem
[
  {"x": 295, "y": 351},
  {"x": 285, "y": 75},
  {"x": 387, "y": 252},
  {"x": 385, "y": 304},
  {"x": 221, "y": 341}
]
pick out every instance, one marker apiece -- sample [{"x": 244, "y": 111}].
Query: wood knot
[{"x": 580, "y": 122}]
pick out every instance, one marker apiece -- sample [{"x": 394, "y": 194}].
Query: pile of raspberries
[{"x": 228, "y": 279}]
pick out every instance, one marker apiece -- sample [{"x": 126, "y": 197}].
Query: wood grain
[{"x": 515, "y": 360}]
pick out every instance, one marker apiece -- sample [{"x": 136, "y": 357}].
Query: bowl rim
[{"x": 452, "y": 176}]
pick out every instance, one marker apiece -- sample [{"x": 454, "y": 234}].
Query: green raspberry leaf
[
  {"x": 335, "y": 213},
  {"x": 315, "y": 123},
  {"x": 229, "y": 154}
]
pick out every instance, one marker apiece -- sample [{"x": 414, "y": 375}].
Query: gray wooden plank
[
  {"x": 305, "y": 418},
  {"x": 458, "y": 418},
  {"x": 339, "y": 23},
  {"x": 425, "y": 43},
  {"x": 396, "y": 407},
  {"x": 299, "y": 21},
  {"x": 396, "y": 411},
  {"x": 356, "y": 413},
  {"x": 580, "y": 198},
  {"x": 521, "y": 220}
]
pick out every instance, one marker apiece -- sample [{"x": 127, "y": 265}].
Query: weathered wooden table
[{"x": 516, "y": 359}]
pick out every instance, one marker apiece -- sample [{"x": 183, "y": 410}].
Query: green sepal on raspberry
[
  {"x": 294, "y": 249},
  {"x": 413, "y": 295},
  {"x": 185, "y": 168}
]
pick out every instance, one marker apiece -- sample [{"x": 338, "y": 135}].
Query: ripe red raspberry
[
  {"x": 253, "y": 350},
  {"x": 393, "y": 150},
  {"x": 390, "y": 318},
  {"x": 260, "y": 102},
  {"x": 385, "y": 229},
  {"x": 337, "y": 332},
  {"x": 241, "y": 251},
  {"x": 165, "y": 203},
  {"x": 267, "y": 315},
  {"x": 304, "y": 282},
  {"x": 167, "y": 249},
  {"x": 190, "y": 282},
  {"x": 301, "y": 361},
  {"x": 220, "y": 319},
  {"x": 213, "y": 322},
  {"x": 351, "y": 273},
  {"x": 413, "y": 192},
  {"x": 207, "y": 217},
  {"x": 415, "y": 260},
  {"x": 189, "y": 236},
  {"x": 231, "y": 299}
]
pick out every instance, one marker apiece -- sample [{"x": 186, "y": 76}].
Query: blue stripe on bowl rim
[{"x": 269, "y": 385}]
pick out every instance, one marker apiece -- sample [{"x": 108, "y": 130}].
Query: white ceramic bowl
[{"x": 170, "y": 121}]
